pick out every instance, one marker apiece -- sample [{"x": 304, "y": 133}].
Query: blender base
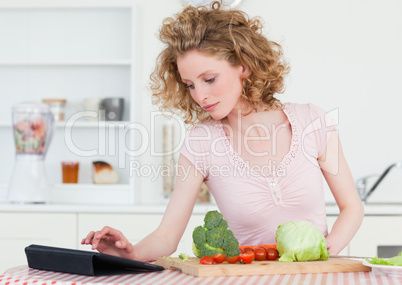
[{"x": 29, "y": 183}]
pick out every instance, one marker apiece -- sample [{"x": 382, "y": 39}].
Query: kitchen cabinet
[
  {"x": 67, "y": 230},
  {"x": 375, "y": 231},
  {"x": 73, "y": 50},
  {"x": 19, "y": 230},
  {"x": 135, "y": 227},
  {"x": 65, "y": 226}
]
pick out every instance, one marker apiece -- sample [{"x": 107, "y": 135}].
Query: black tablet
[{"x": 83, "y": 262}]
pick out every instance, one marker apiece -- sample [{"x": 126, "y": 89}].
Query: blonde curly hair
[{"x": 226, "y": 34}]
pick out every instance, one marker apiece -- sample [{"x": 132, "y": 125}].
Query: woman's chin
[{"x": 217, "y": 117}]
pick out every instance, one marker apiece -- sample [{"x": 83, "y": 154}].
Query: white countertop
[
  {"x": 377, "y": 209},
  {"x": 126, "y": 209},
  {"x": 372, "y": 209}
]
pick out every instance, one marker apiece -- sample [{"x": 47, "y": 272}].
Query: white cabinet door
[
  {"x": 18, "y": 230},
  {"x": 135, "y": 227},
  {"x": 375, "y": 231}
]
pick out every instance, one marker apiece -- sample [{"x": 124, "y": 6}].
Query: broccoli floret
[
  {"x": 231, "y": 244},
  {"x": 232, "y": 251},
  {"x": 214, "y": 237},
  {"x": 229, "y": 239},
  {"x": 199, "y": 235},
  {"x": 223, "y": 224},
  {"x": 206, "y": 249},
  {"x": 196, "y": 251},
  {"x": 212, "y": 219}
]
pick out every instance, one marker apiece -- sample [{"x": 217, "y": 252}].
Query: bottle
[{"x": 168, "y": 159}]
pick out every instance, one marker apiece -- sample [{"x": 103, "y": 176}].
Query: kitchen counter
[
  {"x": 118, "y": 209},
  {"x": 24, "y": 275},
  {"x": 372, "y": 209}
]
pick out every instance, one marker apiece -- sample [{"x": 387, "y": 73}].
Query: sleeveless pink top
[{"x": 255, "y": 204}]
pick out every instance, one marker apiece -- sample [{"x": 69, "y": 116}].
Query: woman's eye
[
  {"x": 210, "y": 80},
  {"x": 189, "y": 86}
]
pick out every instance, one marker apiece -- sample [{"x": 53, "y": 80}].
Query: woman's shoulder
[
  {"x": 303, "y": 108},
  {"x": 310, "y": 117},
  {"x": 203, "y": 133},
  {"x": 200, "y": 137},
  {"x": 304, "y": 112}
]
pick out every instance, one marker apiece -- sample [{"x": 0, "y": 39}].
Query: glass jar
[{"x": 56, "y": 107}]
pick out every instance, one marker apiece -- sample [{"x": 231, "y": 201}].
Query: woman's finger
[
  {"x": 88, "y": 238},
  {"x": 96, "y": 239}
]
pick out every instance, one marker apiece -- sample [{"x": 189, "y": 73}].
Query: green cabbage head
[{"x": 300, "y": 241}]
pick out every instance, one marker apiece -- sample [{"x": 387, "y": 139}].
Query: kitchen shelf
[
  {"x": 87, "y": 194},
  {"x": 73, "y": 50},
  {"x": 5, "y": 124},
  {"x": 73, "y": 63},
  {"x": 92, "y": 124},
  {"x": 62, "y": 124}
]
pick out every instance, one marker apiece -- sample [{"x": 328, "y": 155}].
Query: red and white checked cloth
[{"x": 24, "y": 276}]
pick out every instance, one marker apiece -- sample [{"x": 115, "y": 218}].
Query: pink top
[{"x": 255, "y": 204}]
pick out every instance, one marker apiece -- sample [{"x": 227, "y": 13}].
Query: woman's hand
[{"x": 110, "y": 241}]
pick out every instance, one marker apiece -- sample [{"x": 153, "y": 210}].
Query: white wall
[{"x": 343, "y": 54}]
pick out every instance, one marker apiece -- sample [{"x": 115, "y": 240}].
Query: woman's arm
[
  {"x": 339, "y": 178},
  {"x": 164, "y": 240}
]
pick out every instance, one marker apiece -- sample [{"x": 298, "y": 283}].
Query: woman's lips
[{"x": 210, "y": 108}]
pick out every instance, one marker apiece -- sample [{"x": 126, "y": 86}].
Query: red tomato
[
  {"x": 266, "y": 246},
  {"x": 232, "y": 259},
  {"x": 247, "y": 248},
  {"x": 206, "y": 260},
  {"x": 260, "y": 253},
  {"x": 219, "y": 258},
  {"x": 272, "y": 253},
  {"x": 247, "y": 257},
  {"x": 241, "y": 249}
]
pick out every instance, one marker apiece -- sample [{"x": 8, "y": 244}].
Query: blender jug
[{"x": 33, "y": 125}]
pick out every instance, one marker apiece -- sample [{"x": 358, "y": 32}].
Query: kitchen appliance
[{"x": 33, "y": 125}]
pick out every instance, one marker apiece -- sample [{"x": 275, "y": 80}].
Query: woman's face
[{"x": 214, "y": 84}]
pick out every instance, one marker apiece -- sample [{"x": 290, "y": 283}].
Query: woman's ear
[{"x": 245, "y": 72}]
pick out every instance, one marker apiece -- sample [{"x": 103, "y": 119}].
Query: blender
[{"x": 33, "y": 125}]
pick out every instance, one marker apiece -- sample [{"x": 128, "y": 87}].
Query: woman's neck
[{"x": 256, "y": 123}]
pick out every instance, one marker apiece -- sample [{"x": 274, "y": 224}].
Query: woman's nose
[{"x": 200, "y": 95}]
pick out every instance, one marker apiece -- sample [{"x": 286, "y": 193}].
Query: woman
[{"x": 262, "y": 160}]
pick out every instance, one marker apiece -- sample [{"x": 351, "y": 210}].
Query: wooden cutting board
[{"x": 193, "y": 267}]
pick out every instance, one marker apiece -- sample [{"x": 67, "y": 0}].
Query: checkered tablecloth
[{"x": 24, "y": 276}]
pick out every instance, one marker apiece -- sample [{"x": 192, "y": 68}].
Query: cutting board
[{"x": 193, "y": 267}]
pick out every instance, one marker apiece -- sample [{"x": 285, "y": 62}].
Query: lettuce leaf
[
  {"x": 395, "y": 261},
  {"x": 300, "y": 241}
]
